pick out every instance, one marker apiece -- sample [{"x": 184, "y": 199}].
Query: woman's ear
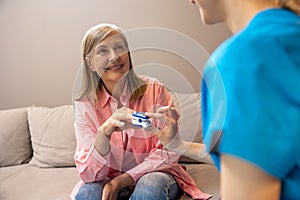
[{"x": 89, "y": 63}]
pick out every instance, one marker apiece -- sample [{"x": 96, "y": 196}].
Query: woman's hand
[
  {"x": 168, "y": 136},
  {"x": 120, "y": 120},
  {"x": 111, "y": 189}
]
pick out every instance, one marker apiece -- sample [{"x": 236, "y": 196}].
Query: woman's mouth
[{"x": 114, "y": 67}]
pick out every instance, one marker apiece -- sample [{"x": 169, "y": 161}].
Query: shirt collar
[{"x": 104, "y": 97}]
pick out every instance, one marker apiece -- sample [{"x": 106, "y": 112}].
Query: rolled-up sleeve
[{"x": 91, "y": 166}]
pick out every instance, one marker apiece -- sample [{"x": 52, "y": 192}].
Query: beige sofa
[{"x": 37, "y": 145}]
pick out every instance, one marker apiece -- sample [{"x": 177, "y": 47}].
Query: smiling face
[{"x": 110, "y": 59}]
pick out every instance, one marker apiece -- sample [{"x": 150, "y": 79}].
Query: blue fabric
[
  {"x": 152, "y": 186},
  {"x": 251, "y": 97}
]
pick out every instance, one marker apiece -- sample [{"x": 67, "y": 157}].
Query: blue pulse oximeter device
[{"x": 140, "y": 119}]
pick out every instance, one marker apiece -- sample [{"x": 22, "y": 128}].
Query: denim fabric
[
  {"x": 152, "y": 186},
  {"x": 156, "y": 186}
]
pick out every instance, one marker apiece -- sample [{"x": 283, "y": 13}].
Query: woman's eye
[
  {"x": 120, "y": 48},
  {"x": 102, "y": 51}
]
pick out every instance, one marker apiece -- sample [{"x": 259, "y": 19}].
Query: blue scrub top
[{"x": 251, "y": 97}]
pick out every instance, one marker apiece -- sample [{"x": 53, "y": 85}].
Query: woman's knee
[
  {"x": 156, "y": 179},
  {"x": 156, "y": 185},
  {"x": 90, "y": 191}
]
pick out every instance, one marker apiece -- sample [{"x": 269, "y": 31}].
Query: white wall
[{"x": 40, "y": 44}]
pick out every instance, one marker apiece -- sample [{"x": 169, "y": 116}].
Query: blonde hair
[
  {"x": 91, "y": 83},
  {"x": 293, "y": 5}
]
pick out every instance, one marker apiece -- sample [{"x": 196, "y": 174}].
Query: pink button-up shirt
[{"x": 134, "y": 151}]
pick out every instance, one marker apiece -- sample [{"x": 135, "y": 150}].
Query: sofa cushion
[
  {"x": 15, "y": 146},
  {"x": 28, "y": 182},
  {"x": 52, "y": 135},
  {"x": 32, "y": 183}
]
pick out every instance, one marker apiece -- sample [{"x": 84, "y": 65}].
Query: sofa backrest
[
  {"x": 45, "y": 136},
  {"x": 42, "y": 136}
]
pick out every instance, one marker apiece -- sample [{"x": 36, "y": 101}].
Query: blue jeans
[{"x": 151, "y": 186}]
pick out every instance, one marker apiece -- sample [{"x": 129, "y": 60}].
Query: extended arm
[
  {"x": 170, "y": 138},
  {"x": 243, "y": 180}
]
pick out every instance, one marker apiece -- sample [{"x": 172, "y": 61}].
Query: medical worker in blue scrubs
[{"x": 250, "y": 100}]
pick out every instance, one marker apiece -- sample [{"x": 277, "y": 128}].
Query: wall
[{"x": 40, "y": 44}]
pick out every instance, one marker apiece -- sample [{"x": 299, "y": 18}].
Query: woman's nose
[{"x": 113, "y": 55}]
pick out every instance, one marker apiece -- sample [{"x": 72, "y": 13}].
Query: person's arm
[
  {"x": 90, "y": 164},
  {"x": 111, "y": 189},
  {"x": 170, "y": 138},
  {"x": 243, "y": 180},
  {"x": 194, "y": 150},
  {"x": 116, "y": 122},
  {"x": 93, "y": 148}
]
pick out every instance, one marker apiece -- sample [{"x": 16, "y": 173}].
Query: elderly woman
[{"x": 114, "y": 159}]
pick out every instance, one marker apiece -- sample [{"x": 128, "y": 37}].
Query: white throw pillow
[
  {"x": 15, "y": 146},
  {"x": 52, "y": 136}
]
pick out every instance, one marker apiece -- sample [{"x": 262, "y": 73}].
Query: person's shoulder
[
  {"x": 273, "y": 34},
  {"x": 273, "y": 28},
  {"x": 150, "y": 80},
  {"x": 83, "y": 102},
  {"x": 154, "y": 86},
  {"x": 257, "y": 43}
]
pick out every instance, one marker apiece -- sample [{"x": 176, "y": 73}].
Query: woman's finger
[
  {"x": 153, "y": 129},
  {"x": 117, "y": 124},
  {"x": 163, "y": 109},
  {"x": 173, "y": 113},
  {"x": 156, "y": 115},
  {"x": 123, "y": 114}
]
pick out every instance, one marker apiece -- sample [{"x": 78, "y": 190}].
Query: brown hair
[
  {"x": 91, "y": 82},
  {"x": 293, "y": 5}
]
